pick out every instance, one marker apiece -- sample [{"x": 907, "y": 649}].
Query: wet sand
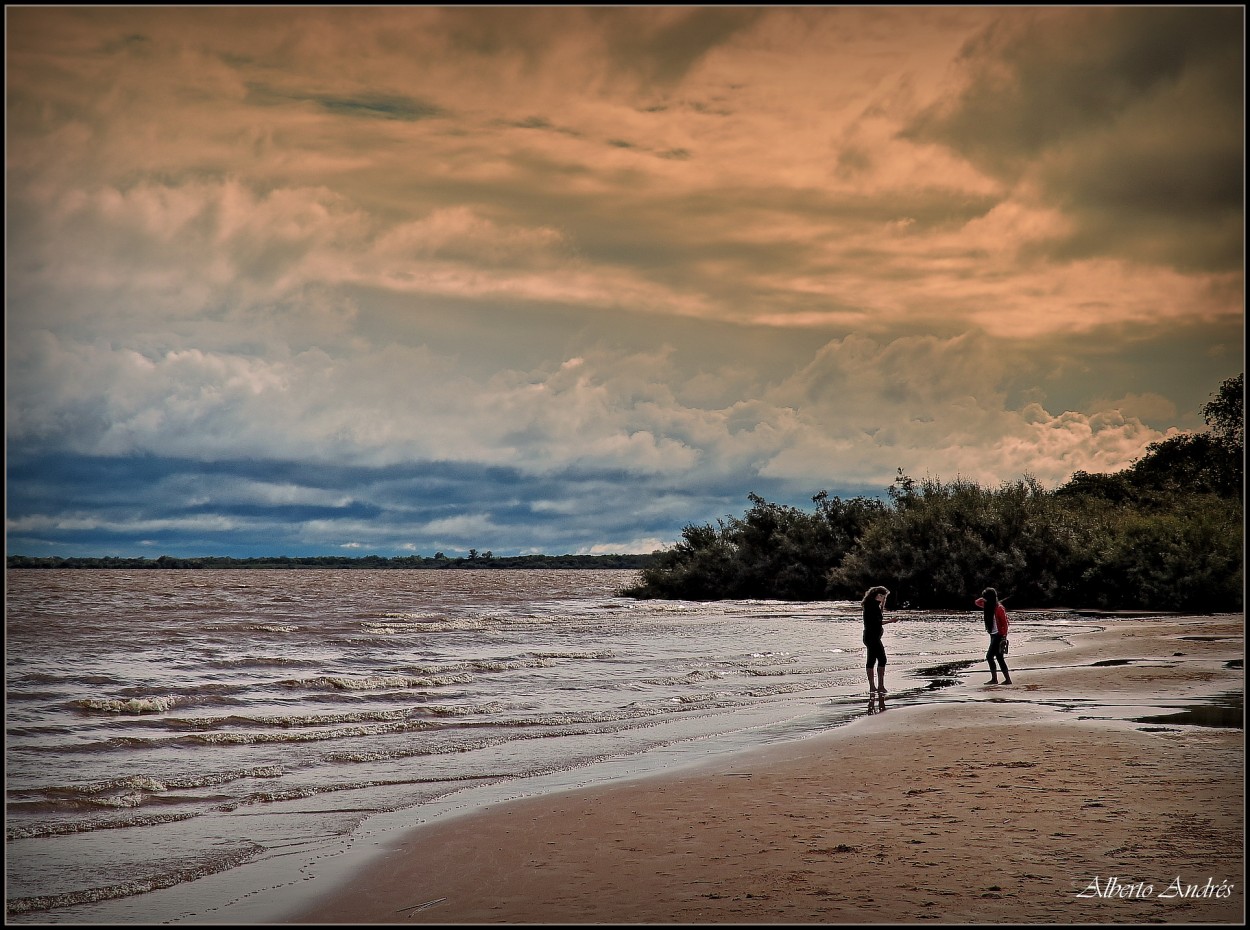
[{"x": 1047, "y": 801}]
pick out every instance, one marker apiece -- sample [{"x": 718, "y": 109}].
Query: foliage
[
  {"x": 1189, "y": 556},
  {"x": 774, "y": 551},
  {"x": 1225, "y": 414},
  {"x": 942, "y": 541},
  {"x": 1164, "y": 534},
  {"x": 1188, "y": 463}
]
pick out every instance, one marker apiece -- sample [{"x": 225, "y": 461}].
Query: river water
[{"x": 165, "y": 726}]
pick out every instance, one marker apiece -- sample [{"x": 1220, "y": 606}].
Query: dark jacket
[{"x": 874, "y": 620}]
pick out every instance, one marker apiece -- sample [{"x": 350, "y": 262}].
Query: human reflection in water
[{"x": 876, "y": 702}]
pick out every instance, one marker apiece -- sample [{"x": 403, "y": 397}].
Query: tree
[
  {"x": 1199, "y": 463},
  {"x": 1190, "y": 463},
  {"x": 1225, "y": 415}
]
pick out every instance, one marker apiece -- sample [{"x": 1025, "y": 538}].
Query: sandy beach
[{"x": 1052, "y": 800}]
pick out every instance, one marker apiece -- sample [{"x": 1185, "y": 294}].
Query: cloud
[
  {"x": 854, "y": 413},
  {"x": 1130, "y": 121},
  {"x": 374, "y": 106},
  {"x": 661, "y": 49},
  {"x": 72, "y": 504},
  {"x": 574, "y": 277}
]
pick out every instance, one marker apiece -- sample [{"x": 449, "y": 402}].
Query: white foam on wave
[
  {"x": 377, "y": 682},
  {"x": 142, "y": 705}
]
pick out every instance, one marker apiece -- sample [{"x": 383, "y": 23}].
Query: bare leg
[
  {"x": 881, "y": 679},
  {"x": 871, "y": 687}
]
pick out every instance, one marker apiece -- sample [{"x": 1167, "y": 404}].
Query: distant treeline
[
  {"x": 1165, "y": 534},
  {"x": 333, "y": 561}
]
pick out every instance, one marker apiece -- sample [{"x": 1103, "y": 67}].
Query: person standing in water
[
  {"x": 874, "y": 627},
  {"x": 996, "y": 625}
]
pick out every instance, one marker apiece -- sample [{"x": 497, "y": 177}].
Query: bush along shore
[{"x": 1165, "y": 534}]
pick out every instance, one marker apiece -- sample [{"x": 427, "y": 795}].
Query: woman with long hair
[
  {"x": 995, "y": 616},
  {"x": 874, "y": 627}
]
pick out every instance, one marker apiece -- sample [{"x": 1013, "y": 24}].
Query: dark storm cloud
[
  {"x": 1131, "y": 121},
  {"x": 655, "y": 47},
  {"x": 662, "y": 51},
  {"x": 374, "y": 106},
  {"x": 708, "y": 240},
  {"x": 148, "y": 505}
]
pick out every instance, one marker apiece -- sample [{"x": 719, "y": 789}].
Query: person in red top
[{"x": 996, "y": 625}]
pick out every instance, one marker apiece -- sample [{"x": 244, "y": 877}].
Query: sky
[{"x": 399, "y": 280}]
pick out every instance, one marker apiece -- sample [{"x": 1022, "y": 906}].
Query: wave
[
  {"x": 463, "y": 710},
  {"x": 250, "y": 628},
  {"x": 688, "y": 678},
  {"x": 55, "y": 678},
  {"x": 375, "y": 682},
  {"x": 32, "y": 831},
  {"x": 221, "y": 862},
  {"x": 542, "y": 659},
  {"x": 446, "y": 624},
  {"x": 58, "y": 794},
  {"x": 284, "y": 720},
  {"x": 509, "y": 665},
  {"x": 262, "y": 662},
  {"x": 299, "y": 736},
  {"x": 294, "y": 721},
  {"x": 140, "y": 705}
]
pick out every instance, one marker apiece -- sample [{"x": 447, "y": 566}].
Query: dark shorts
[{"x": 876, "y": 652}]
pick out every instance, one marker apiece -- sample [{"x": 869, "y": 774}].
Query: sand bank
[{"x": 1049, "y": 801}]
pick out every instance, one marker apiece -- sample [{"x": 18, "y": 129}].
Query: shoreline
[{"x": 982, "y": 805}]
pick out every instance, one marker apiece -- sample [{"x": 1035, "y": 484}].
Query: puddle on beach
[
  {"x": 944, "y": 675},
  {"x": 1208, "y": 639},
  {"x": 947, "y": 670},
  {"x": 1225, "y": 711}
]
